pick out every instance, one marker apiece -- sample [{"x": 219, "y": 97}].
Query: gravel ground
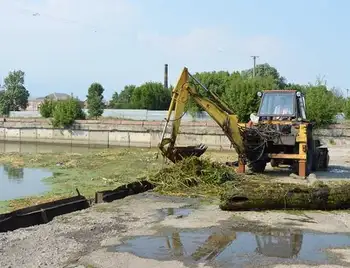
[{"x": 81, "y": 239}]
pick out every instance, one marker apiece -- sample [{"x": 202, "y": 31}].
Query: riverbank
[
  {"x": 96, "y": 169},
  {"x": 149, "y": 230},
  {"x": 126, "y": 133},
  {"x": 89, "y": 172}
]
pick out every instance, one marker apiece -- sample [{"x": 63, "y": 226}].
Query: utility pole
[{"x": 254, "y": 64}]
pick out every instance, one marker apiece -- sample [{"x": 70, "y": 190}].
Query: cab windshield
[{"x": 274, "y": 104}]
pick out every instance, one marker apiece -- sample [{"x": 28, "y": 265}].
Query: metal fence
[{"x": 147, "y": 115}]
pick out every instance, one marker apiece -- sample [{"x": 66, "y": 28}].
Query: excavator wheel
[{"x": 257, "y": 166}]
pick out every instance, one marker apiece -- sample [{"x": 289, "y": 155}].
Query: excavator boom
[{"x": 217, "y": 110}]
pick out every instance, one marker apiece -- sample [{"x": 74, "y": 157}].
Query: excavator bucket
[{"x": 178, "y": 153}]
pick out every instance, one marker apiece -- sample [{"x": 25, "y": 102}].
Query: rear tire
[{"x": 257, "y": 166}]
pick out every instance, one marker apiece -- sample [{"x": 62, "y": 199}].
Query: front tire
[{"x": 257, "y": 166}]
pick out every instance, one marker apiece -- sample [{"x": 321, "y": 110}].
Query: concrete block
[
  {"x": 61, "y": 136},
  {"x": 212, "y": 141},
  {"x": 140, "y": 139},
  {"x": 99, "y": 138},
  {"x": 2, "y": 146},
  {"x": 28, "y": 147},
  {"x": 155, "y": 138},
  {"x": 2, "y": 134},
  {"x": 80, "y": 137},
  {"x": 188, "y": 139},
  {"x": 28, "y": 134},
  {"x": 44, "y": 134},
  {"x": 13, "y": 134},
  {"x": 12, "y": 147},
  {"x": 119, "y": 139}
]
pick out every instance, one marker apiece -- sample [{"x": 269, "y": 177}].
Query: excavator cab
[
  {"x": 287, "y": 134},
  {"x": 280, "y": 105}
]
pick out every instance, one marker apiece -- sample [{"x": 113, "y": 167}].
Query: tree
[
  {"x": 216, "y": 82},
  {"x": 266, "y": 70},
  {"x": 47, "y": 107},
  {"x": 123, "y": 100},
  {"x": 95, "y": 100},
  {"x": 4, "y": 104},
  {"x": 151, "y": 96},
  {"x": 321, "y": 105},
  {"x": 66, "y": 112},
  {"x": 347, "y": 109},
  {"x": 241, "y": 95},
  {"x": 16, "y": 95}
]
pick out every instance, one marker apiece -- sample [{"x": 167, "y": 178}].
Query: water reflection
[
  {"x": 21, "y": 182},
  {"x": 225, "y": 247},
  {"x": 20, "y": 147},
  {"x": 279, "y": 244},
  {"x": 13, "y": 173}
]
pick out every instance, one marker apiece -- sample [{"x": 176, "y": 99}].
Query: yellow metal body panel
[{"x": 180, "y": 96}]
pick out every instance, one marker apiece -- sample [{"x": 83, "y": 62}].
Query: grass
[
  {"x": 89, "y": 172},
  {"x": 193, "y": 177}
]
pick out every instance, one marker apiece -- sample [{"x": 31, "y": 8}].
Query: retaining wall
[{"x": 124, "y": 133}]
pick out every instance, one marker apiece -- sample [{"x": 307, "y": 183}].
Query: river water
[{"x": 18, "y": 182}]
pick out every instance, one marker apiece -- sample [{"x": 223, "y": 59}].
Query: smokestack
[{"x": 166, "y": 76}]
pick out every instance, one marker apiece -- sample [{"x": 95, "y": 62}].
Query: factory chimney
[{"x": 166, "y": 76}]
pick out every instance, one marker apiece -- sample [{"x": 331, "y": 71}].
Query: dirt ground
[{"x": 89, "y": 238}]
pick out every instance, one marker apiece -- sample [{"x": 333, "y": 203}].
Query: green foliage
[
  {"x": 238, "y": 90},
  {"x": 265, "y": 70},
  {"x": 15, "y": 97},
  {"x": 47, "y": 107},
  {"x": 241, "y": 96},
  {"x": 321, "y": 105},
  {"x": 347, "y": 109},
  {"x": 95, "y": 100},
  {"x": 151, "y": 96},
  {"x": 123, "y": 100},
  {"x": 216, "y": 82},
  {"x": 66, "y": 112},
  {"x": 4, "y": 104}
]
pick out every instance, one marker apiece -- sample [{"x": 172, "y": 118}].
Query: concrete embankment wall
[{"x": 125, "y": 133}]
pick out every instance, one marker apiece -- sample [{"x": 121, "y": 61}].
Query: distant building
[{"x": 33, "y": 104}]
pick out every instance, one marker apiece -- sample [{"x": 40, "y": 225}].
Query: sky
[{"x": 65, "y": 45}]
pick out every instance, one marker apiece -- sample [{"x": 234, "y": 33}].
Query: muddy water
[
  {"x": 226, "y": 247},
  {"x": 20, "y": 182}
]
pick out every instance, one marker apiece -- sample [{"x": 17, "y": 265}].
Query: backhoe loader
[{"x": 279, "y": 133}]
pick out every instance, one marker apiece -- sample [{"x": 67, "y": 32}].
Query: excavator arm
[{"x": 218, "y": 111}]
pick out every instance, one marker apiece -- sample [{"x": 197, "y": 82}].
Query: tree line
[{"x": 238, "y": 89}]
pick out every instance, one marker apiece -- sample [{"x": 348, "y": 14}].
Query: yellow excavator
[{"x": 278, "y": 134}]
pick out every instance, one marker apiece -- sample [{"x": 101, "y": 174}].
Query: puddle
[
  {"x": 176, "y": 212},
  {"x": 225, "y": 248},
  {"x": 20, "y": 182},
  {"x": 338, "y": 170}
]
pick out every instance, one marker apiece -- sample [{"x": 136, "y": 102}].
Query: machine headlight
[
  {"x": 259, "y": 94},
  {"x": 254, "y": 118},
  {"x": 298, "y": 94}
]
